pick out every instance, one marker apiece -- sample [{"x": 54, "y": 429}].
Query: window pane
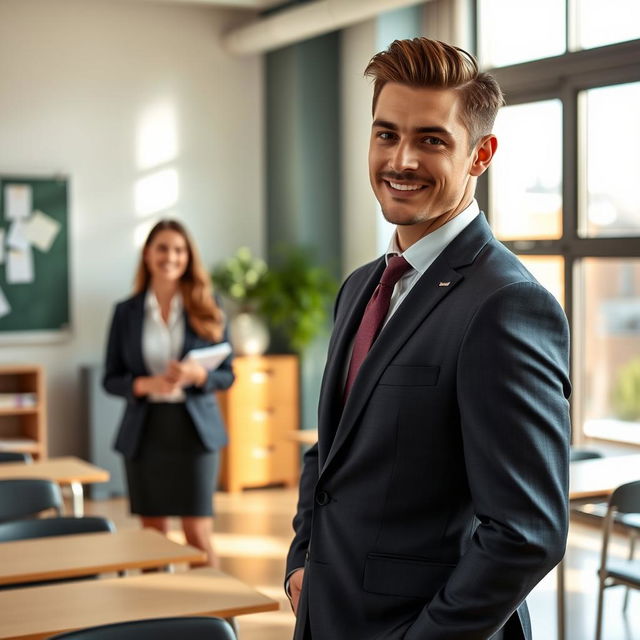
[
  {"x": 610, "y": 336},
  {"x": 599, "y": 23},
  {"x": 525, "y": 196},
  {"x": 512, "y": 32},
  {"x": 548, "y": 271},
  {"x": 610, "y": 204}
]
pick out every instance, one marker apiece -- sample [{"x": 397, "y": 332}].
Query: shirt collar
[
  {"x": 423, "y": 253},
  {"x": 152, "y": 306}
]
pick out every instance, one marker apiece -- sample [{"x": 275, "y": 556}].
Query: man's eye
[
  {"x": 385, "y": 135},
  {"x": 433, "y": 140}
]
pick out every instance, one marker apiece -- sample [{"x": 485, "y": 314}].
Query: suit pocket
[
  {"x": 406, "y": 576},
  {"x": 407, "y": 376}
]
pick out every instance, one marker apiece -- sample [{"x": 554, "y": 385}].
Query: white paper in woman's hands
[{"x": 210, "y": 357}]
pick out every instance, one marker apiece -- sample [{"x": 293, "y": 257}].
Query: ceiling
[{"x": 237, "y": 4}]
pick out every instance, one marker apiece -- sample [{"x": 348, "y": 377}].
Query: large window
[{"x": 563, "y": 190}]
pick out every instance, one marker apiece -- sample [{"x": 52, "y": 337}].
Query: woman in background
[{"x": 172, "y": 430}]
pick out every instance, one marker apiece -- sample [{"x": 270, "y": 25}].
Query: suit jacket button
[{"x": 323, "y": 498}]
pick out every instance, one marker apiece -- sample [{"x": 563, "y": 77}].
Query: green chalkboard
[{"x": 42, "y": 303}]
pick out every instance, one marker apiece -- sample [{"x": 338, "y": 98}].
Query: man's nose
[{"x": 405, "y": 158}]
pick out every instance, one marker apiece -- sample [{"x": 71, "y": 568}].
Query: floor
[{"x": 253, "y": 530}]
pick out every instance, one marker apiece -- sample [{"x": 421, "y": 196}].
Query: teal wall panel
[{"x": 303, "y": 170}]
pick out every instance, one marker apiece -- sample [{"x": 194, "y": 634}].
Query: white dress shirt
[
  {"x": 162, "y": 342},
  {"x": 422, "y": 254}
]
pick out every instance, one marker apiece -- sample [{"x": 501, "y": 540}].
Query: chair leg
[
  {"x": 632, "y": 547},
  {"x": 601, "y": 587}
]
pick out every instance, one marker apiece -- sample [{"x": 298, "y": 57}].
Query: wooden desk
[
  {"x": 594, "y": 479},
  {"x": 88, "y": 554},
  {"x": 39, "y": 612},
  {"x": 303, "y": 436},
  {"x": 69, "y": 471}
]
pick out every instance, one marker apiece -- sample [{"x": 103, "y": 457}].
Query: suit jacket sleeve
[
  {"x": 512, "y": 394},
  {"x": 302, "y": 519},
  {"x": 118, "y": 379}
]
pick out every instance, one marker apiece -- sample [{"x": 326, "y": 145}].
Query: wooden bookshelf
[{"x": 23, "y": 428}]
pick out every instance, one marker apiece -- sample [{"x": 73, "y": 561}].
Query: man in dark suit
[{"x": 436, "y": 496}]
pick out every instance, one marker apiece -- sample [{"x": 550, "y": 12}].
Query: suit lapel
[
  {"x": 347, "y": 323},
  {"x": 428, "y": 292},
  {"x": 189, "y": 337},
  {"x": 137, "y": 319}
]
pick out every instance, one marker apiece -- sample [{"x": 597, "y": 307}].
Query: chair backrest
[
  {"x": 195, "y": 628},
  {"x": 23, "y": 497},
  {"x": 626, "y": 498},
  {"x": 15, "y": 456},
  {"x": 46, "y": 527},
  {"x": 576, "y": 455}
]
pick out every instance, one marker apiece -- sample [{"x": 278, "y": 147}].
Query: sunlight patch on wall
[
  {"x": 157, "y": 136},
  {"x": 156, "y": 192}
]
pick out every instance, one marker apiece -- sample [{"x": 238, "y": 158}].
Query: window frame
[{"x": 564, "y": 77}]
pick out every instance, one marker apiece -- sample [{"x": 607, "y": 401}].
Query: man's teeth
[{"x": 405, "y": 187}]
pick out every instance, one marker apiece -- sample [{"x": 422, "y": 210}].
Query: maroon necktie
[{"x": 374, "y": 316}]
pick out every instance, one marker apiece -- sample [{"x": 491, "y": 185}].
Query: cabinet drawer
[
  {"x": 259, "y": 465},
  {"x": 265, "y": 426},
  {"x": 263, "y": 382}
]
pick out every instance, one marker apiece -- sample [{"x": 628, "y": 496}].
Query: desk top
[
  {"x": 39, "y": 612},
  {"x": 86, "y": 554},
  {"x": 303, "y": 436},
  {"x": 61, "y": 470},
  {"x": 599, "y": 477}
]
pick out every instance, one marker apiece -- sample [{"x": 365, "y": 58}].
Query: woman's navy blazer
[{"x": 124, "y": 363}]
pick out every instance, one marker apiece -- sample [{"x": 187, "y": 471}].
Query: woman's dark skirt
[{"x": 172, "y": 474}]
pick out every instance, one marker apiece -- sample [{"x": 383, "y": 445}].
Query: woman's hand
[
  {"x": 186, "y": 373},
  {"x": 145, "y": 385}
]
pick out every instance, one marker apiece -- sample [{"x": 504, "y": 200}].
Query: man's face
[{"x": 420, "y": 165}]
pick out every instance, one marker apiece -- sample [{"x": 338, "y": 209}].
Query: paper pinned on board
[
  {"x": 18, "y": 200},
  {"x": 210, "y": 357},
  {"x": 5, "y": 307},
  {"x": 19, "y": 269},
  {"x": 17, "y": 236},
  {"x": 41, "y": 230}
]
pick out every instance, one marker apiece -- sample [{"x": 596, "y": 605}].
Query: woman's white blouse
[{"x": 162, "y": 342}]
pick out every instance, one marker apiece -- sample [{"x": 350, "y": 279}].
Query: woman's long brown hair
[{"x": 204, "y": 315}]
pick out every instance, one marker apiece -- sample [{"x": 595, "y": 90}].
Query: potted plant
[
  {"x": 240, "y": 279},
  {"x": 295, "y": 297},
  {"x": 292, "y": 296}
]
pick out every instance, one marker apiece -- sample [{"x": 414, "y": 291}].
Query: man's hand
[
  {"x": 186, "y": 373},
  {"x": 295, "y": 587}
]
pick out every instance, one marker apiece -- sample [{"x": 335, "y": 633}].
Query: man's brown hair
[{"x": 421, "y": 63}]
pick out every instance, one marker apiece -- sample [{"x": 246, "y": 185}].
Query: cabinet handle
[
  {"x": 261, "y": 376},
  {"x": 262, "y": 452},
  {"x": 262, "y": 415}
]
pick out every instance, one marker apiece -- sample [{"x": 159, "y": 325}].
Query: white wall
[{"x": 111, "y": 93}]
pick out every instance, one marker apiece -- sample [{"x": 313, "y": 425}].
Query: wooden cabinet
[
  {"x": 23, "y": 410},
  {"x": 260, "y": 410}
]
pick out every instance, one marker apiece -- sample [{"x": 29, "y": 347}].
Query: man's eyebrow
[{"x": 384, "y": 124}]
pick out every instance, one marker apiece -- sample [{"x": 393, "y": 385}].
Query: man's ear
[{"x": 483, "y": 154}]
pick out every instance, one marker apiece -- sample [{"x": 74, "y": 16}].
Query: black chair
[
  {"x": 194, "y": 628},
  {"x": 46, "y": 527},
  {"x": 24, "y": 497},
  {"x": 624, "y": 501},
  {"x": 15, "y": 456}
]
